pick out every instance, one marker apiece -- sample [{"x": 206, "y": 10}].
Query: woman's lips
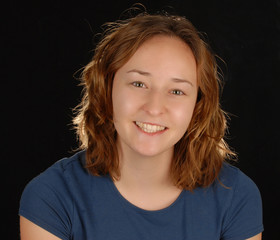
[{"x": 150, "y": 128}]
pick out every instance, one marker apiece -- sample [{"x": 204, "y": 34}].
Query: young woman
[{"x": 153, "y": 164}]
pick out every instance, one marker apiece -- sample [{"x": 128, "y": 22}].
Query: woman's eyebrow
[
  {"x": 177, "y": 80},
  {"x": 139, "y": 72}
]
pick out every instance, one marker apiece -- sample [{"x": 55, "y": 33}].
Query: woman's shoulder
[
  {"x": 243, "y": 205},
  {"x": 60, "y": 180},
  {"x": 231, "y": 189},
  {"x": 48, "y": 199},
  {"x": 234, "y": 201},
  {"x": 74, "y": 162},
  {"x": 233, "y": 178},
  {"x": 232, "y": 184},
  {"x": 63, "y": 169}
]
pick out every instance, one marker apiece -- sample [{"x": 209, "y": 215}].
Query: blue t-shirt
[{"x": 72, "y": 204}]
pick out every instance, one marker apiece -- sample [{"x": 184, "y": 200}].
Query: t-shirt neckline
[{"x": 128, "y": 204}]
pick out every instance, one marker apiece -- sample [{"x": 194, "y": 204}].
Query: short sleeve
[
  {"x": 244, "y": 215},
  {"x": 46, "y": 203}
]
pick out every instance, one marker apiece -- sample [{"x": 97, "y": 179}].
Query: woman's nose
[{"x": 155, "y": 103}]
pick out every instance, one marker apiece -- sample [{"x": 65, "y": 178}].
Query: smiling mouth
[{"x": 148, "y": 128}]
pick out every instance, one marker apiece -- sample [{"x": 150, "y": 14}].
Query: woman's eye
[
  {"x": 177, "y": 92},
  {"x": 138, "y": 84}
]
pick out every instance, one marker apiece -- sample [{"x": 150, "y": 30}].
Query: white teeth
[{"x": 149, "y": 128}]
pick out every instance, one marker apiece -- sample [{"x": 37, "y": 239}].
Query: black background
[{"x": 45, "y": 42}]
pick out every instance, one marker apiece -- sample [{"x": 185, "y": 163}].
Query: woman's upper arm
[
  {"x": 31, "y": 231},
  {"x": 47, "y": 203},
  {"x": 244, "y": 213},
  {"x": 257, "y": 237}
]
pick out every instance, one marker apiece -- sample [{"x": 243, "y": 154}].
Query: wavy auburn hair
[{"x": 200, "y": 153}]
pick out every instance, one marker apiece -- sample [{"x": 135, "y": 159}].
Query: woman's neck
[
  {"x": 147, "y": 172},
  {"x": 145, "y": 181}
]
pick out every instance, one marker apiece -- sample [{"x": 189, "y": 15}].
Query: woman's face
[{"x": 154, "y": 95}]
